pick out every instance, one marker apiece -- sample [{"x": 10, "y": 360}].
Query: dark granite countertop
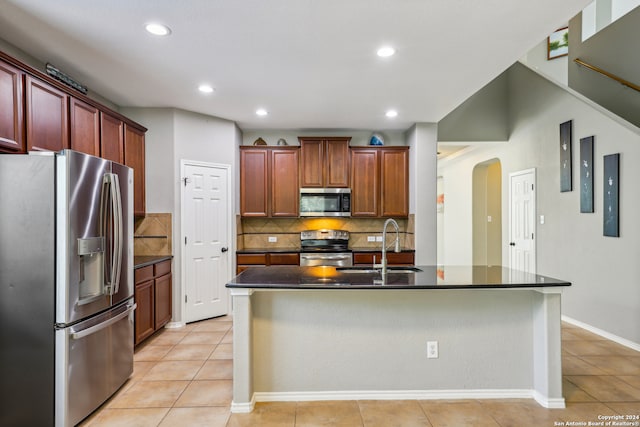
[
  {"x": 143, "y": 261},
  {"x": 431, "y": 277}
]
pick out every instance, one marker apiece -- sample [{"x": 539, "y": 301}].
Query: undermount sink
[{"x": 369, "y": 270}]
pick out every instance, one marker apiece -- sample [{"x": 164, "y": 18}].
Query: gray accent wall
[
  {"x": 482, "y": 117},
  {"x": 605, "y": 271},
  {"x": 614, "y": 49}
]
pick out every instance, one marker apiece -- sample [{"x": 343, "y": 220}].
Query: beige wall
[{"x": 487, "y": 213}]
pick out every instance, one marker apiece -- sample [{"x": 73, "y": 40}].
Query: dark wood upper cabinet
[
  {"x": 311, "y": 163},
  {"x": 134, "y": 158},
  {"x": 111, "y": 138},
  {"x": 84, "y": 120},
  {"x": 380, "y": 182},
  {"x": 47, "y": 116},
  {"x": 337, "y": 162},
  {"x": 324, "y": 162},
  {"x": 365, "y": 182},
  {"x": 269, "y": 181},
  {"x": 38, "y": 113},
  {"x": 285, "y": 192},
  {"x": 11, "y": 122},
  {"x": 394, "y": 182},
  {"x": 254, "y": 181}
]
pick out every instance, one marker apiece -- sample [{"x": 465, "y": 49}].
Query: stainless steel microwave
[{"x": 325, "y": 202}]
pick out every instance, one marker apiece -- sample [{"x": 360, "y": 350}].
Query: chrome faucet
[{"x": 383, "y": 261}]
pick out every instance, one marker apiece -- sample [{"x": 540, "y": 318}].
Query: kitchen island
[{"x": 321, "y": 333}]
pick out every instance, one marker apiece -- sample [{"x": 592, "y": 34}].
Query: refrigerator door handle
[
  {"x": 112, "y": 213},
  {"x": 117, "y": 233},
  {"x": 93, "y": 329},
  {"x": 105, "y": 222}
]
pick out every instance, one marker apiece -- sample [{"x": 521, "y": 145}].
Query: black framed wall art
[
  {"x": 566, "y": 158},
  {"x": 586, "y": 174},
  {"x": 611, "y": 195}
]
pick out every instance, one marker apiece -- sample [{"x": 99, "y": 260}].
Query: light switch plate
[
  {"x": 273, "y": 239},
  {"x": 378, "y": 238},
  {"x": 371, "y": 238}
]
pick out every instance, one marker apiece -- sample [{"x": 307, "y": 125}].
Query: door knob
[{"x": 224, "y": 249}]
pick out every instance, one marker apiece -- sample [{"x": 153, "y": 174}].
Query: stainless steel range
[{"x": 325, "y": 247}]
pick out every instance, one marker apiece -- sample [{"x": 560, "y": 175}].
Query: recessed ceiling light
[
  {"x": 205, "y": 88},
  {"x": 386, "y": 51},
  {"x": 391, "y": 113},
  {"x": 261, "y": 112},
  {"x": 158, "y": 29}
]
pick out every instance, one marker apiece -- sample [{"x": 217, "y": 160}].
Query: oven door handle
[{"x": 324, "y": 257}]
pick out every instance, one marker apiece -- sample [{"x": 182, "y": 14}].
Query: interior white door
[
  {"x": 522, "y": 220},
  {"x": 206, "y": 230}
]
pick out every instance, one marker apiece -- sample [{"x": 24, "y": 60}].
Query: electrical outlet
[
  {"x": 273, "y": 239},
  {"x": 378, "y": 238},
  {"x": 432, "y": 349},
  {"x": 371, "y": 238}
]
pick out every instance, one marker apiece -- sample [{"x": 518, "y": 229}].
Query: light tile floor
[{"x": 183, "y": 377}]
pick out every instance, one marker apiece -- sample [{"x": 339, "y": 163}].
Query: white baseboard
[
  {"x": 174, "y": 325},
  {"x": 243, "y": 408},
  {"x": 622, "y": 341},
  {"x": 554, "y": 403},
  {"x": 396, "y": 395}
]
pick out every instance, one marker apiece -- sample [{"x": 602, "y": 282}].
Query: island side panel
[
  {"x": 547, "y": 360},
  {"x": 242, "y": 351},
  {"x": 375, "y": 341}
]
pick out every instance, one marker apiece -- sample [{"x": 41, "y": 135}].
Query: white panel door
[
  {"x": 522, "y": 221},
  {"x": 206, "y": 232}
]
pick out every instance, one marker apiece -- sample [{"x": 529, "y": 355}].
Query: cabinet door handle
[
  {"x": 224, "y": 250},
  {"x": 512, "y": 244}
]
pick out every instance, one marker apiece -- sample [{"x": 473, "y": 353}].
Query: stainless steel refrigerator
[{"x": 66, "y": 285}]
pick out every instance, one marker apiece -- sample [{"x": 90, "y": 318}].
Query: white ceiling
[{"x": 311, "y": 63}]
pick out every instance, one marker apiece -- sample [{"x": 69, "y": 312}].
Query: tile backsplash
[
  {"x": 254, "y": 233},
  {"x": 152, "y": 235}
]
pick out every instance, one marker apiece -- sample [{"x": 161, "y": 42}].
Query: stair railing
[{"x": 607, "y": 74}]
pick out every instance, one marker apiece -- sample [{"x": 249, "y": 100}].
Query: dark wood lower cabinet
[
  {"x": 153, "y": 298},
  {"x": 163, "y": 299},
  {"x": 265, "y": 259},
  {"x": 144, "y": 318},
  {"x": 393, "y": 258}
]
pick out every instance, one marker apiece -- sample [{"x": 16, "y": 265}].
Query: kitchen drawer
[
  {"x": 143, "y": 274},
  {"x": 251, "y": 259},
  {"x": 403, "y": 258},
  {"x": 162, "y": 268},
  {"x": 393, "y": 258},
  {"x": 284, "y": 259}
]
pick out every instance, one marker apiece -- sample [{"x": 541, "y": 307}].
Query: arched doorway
[{"x": 487, "y": 213}]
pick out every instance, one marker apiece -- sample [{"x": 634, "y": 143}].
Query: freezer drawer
[{"x": 93, "y": 359}]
